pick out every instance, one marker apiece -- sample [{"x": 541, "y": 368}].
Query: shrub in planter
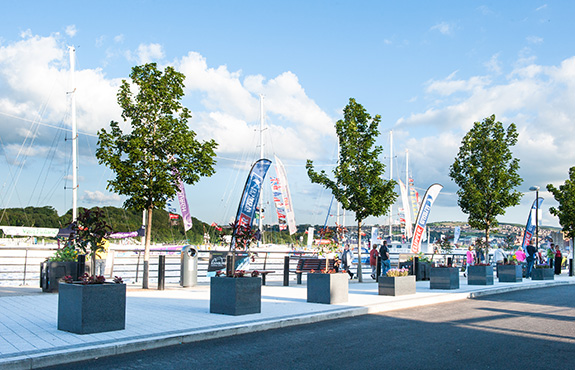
[
  {"x": 397, "y": 282},
  {"x": 542, "y": 272}
]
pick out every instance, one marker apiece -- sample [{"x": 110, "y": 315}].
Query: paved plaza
[{"x": 28, "y": 318}]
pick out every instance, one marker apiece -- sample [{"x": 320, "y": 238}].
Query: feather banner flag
[
  {"x": 287, "y": 202},
  {"x": 423, "y": 214},
  {"x": 530, "y": 226},
  {"x": 250, "y": 196}
]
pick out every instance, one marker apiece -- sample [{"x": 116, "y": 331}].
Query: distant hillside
[{"x": 122, "y": 220}]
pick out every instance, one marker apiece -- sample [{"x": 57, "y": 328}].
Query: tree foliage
[
  {"x": 158, "y": 149},
  {"x": 487, "y": 173},
  {"x": 358, "y": 183},
  {"x": 565, "y": 196}
]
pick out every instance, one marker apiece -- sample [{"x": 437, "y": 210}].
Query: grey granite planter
[
  {"x": 444, "y": 278},
  {"x": 396, "y": 285},
  {"x": 480, "y": 275},
  {"x": 235, "y": 296},
  {"x": 542, "y": 274},
  {"x": 327, "y": 288},
  {"x": 510, "y": 273},
  {"x": 51, "y": 272},
  {"x": 93, "y": 308}
]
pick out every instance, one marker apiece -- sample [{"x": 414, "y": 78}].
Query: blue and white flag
[
  {"x": 530, "y": 227},
  {"x": 251, "y": 196},
  {"x": 456, "y": 234},
  {"x": 423, "y": 214}
]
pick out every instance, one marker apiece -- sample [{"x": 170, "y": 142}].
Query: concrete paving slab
[{"x": 29, "y": 337}]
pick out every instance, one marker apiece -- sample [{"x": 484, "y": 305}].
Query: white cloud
[
  {"x": 534, "y": 97},
  {"x": 535, "y": 40},
  {"x": 493, "y": 64},
  {"x": 146, "y": 53},
  {"x": 450, "y": 86},
  {"x": 444, "y": 28},
  {"x": 71, "y": 30},
  {"x": 97, "y": 197},
  {"x": 232, "y": 109}
]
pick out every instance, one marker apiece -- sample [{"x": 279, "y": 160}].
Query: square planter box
[
  {"x": 396, "y": 285},
  {"x": 51, "y": 272},
  {"x": 480, "y": 275},
  {"x": 327, "y": 288},
  {"x": 235, "y": 296},
  {"x": 93, "y": 308},
  {"x": 510, "y": 273},
  {"x": 444, "y": 278},
  {"x": 542, "y": 274},
  {"x": 422, "y": 270}
]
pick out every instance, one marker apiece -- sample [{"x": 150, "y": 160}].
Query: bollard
[
  {"x": 161, "y": 272},
  {"x": 286, "y": 271},
  {"x": 81, "y": 265},
  {"x": 378, "y": 268}
]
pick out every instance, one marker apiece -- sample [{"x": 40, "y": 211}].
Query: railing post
[
  {"x": 25, "y": 264},
  {"x": 138, "y": 265},
  {"x": 161, "y": 272},
  {"x": 286, "y": 270}
]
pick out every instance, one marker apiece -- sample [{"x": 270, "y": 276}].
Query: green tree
[
  {"x": 160, "y": 141},
  {"x": 565, "y": 196},
  {"x": 358, "y": 185},
  {"x": 487, "y": 174}
]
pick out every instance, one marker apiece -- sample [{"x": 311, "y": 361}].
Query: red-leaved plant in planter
[{"x": 87, "y": 279}]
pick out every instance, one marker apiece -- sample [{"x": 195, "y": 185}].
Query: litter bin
[{"x": 189, "y": 266}]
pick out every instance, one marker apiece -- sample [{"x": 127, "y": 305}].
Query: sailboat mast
[
  {"x": 74, "y": 136},
  {"x": 260, "y": 224},
  {"x": 390, "y": 178}
]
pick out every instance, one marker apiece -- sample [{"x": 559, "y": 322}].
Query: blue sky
[{"x": 430, "y": 69}]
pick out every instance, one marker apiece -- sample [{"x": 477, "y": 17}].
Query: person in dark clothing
[
  {"x": 384, "y": 255},
  {"x": 558, "y": 260},
  {"x": 531, "y": 250}
]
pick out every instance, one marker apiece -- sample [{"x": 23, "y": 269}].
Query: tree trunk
[
  {"x": 487, "y": 243},
  {"x": 359, "y": 273},
  {"x": 146, "y": 273}
]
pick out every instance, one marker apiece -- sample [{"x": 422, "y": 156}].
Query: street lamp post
[{"x": 536, "y": 190}]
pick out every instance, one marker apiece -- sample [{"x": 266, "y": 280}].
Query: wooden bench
[{"x": 309, "y": 264}]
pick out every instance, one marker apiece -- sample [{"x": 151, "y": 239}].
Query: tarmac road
[{"x": 528, "y": 329}]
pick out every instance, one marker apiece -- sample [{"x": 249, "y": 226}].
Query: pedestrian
[
  {"x": 373, "y": 260},
  {"x": 531, "y": 250},
  {"x": 101, "y": 257},
  {"x": 346, "y": 258},
  {"x": 469, "y": 259},
  {"x": 558, "y": 260},
  {"x": 551, "y": 255},
  {"x": 499, "y": 258},
  {"x": 384, "y": 255}
]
